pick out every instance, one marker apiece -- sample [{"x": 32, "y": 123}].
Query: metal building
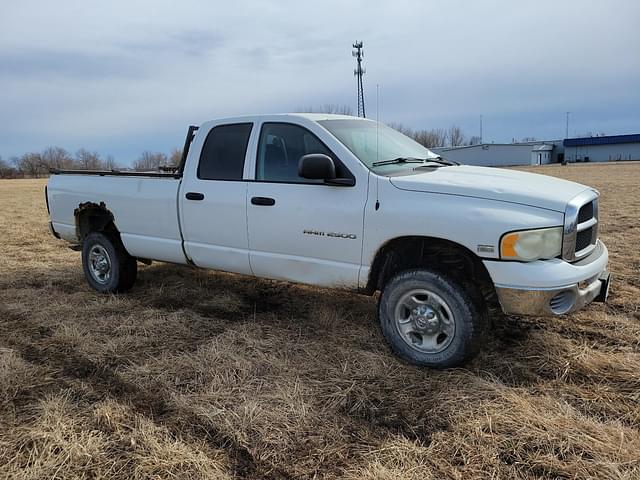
[
  {"x": 602, "y": 149},
  {"x": 501, "y": 154}
]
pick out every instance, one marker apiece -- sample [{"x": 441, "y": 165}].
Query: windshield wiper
[
  {"x": 438, "y": 160},
  {"x": 398, "y": 160}
]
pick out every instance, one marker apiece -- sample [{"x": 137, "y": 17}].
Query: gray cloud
[
  {"x": 68, "y": 65},
  {"x": 123, "y": 77},
  {"x": 189, "y": 42}
]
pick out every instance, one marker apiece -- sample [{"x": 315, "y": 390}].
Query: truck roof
[
  {"x": 314, "y": 117},
  {"x": 326, "y": 116}
]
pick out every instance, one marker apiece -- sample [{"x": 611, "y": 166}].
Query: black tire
[
  {"x": 468, "y": 318},
  {"x": 122, "y": 269}
]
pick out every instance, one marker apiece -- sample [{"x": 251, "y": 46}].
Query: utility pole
[
  {"x": 566, "y": 132},
  {"x": 359, "y": 72},
  {"x": 480, "y": 129}
]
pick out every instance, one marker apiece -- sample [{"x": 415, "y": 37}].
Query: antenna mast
[{"x": 358, "y": 72}]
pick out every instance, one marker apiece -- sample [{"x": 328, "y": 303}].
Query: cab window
[
  {"x": 224, "y": 151},
  {"x": 280, "y": 147}
]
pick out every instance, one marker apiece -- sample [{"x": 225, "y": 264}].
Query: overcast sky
[{"x": 121, "y": 77}]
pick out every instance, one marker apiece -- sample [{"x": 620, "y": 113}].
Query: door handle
[
  {"x": 266, "y": 201},
  {"x": 194, "y": 196}
]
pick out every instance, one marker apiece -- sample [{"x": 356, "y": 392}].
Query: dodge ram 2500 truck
[{"x": 344, "y": 202}]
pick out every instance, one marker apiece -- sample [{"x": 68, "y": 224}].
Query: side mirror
[{"x": 316, "y": 166}]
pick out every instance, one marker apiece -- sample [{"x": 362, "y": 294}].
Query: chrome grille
[
  {"x": 580, "y": 226},
  {"x": 583, "y": 239},
  {"x": 586, "y": 212}
]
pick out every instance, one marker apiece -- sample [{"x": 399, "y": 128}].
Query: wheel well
[
  {"x": 93, "y": 217},
  {"x": 440, "y": 255}
]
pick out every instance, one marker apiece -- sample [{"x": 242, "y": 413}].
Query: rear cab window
[{"x": 224, "y": 151}]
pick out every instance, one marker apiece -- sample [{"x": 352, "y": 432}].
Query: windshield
[{"x": 374, "y": 142}]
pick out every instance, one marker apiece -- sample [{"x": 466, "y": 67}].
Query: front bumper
[{"x": 553, "y": 287}]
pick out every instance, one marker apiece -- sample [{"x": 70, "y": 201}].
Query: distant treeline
[
  {"x": 437, "y": 137},
  {"x": 38, "y": 164}
]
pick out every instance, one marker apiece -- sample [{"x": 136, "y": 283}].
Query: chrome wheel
[
  {"x": 99, "y": 264},
  {"x": 425, "y": 321}
]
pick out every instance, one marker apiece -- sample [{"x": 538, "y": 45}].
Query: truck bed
[{"x": 144, "y": 206}]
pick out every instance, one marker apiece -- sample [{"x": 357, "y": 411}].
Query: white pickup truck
[{"x": 344, "y": 202}]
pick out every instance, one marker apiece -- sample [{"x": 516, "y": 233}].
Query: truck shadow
[
  {"x": 175, "y": 309},
  {"x": 191, "y": 306}
]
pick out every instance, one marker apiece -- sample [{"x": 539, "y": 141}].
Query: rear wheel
[
  {"x": 107, "y": 266},
  {"x": 430, "y": 320}
]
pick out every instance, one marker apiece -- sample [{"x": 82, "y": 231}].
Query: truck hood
[{"x": 495, "y": 184}]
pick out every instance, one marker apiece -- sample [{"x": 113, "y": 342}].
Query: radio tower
[{"x": 358, "y": 72}]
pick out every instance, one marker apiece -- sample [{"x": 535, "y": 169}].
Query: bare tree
[
  {"x": 31, "y": 164},
  {"x": 327, "y": 108},
  {"x": 339, "y": 109},
  {"x": 56, "y": 157},
  {"x": 4, "y": 168},
  {"x": 87, "y": 160},
  {"x": 150, "y": 161},
  {"x": 13, "y": 163},
  {"x": 474, "y": 140},
  {"x": 109, "y": 163},
  {"x": 455, "y": 135},
  {"x": 436, "y": 137},
  {"x": 401, "y": 128},
  {"x": 175, "y": 157},
  {"x": 7, "y": 169}
]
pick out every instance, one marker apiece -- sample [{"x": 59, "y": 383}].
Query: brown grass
[{"x": 197, "y": 374}]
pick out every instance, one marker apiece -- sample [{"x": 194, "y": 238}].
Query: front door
[
  {"x": 213, "y": 201},
  {"x": 302, "y": 230}
]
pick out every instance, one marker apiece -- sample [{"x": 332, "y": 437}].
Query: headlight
[{"x": 529, "y": 245}]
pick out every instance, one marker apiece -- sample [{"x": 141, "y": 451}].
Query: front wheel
[
  {"x": 107, "y": 266},
  {"x": 430, "y": 320}
]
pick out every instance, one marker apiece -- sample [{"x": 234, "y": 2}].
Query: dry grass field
[{"x": 198, "y": 374}]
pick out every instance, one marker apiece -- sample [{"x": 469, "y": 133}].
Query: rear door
[
  {"x": 302, "y": 230},
  {"x": 213, "y": 199}
]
